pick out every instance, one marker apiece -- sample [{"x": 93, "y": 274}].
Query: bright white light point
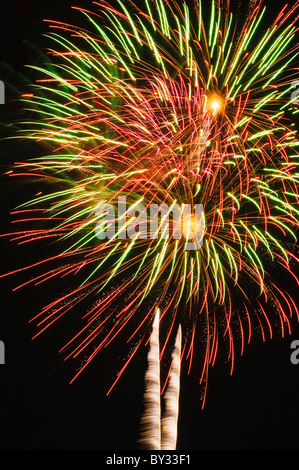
[{"x": 215, "y": 105}]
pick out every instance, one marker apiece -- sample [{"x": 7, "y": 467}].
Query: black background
[{"x": 256, "y": 408}]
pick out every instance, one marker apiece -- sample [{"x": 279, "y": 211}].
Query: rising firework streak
[
  {"x": 157, "y": 434},
  {"x": 151, "y": 420}
]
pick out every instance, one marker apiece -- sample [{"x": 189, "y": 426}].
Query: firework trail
[
  {"x": 169, "y": 423},
  {"x": 151, "y": 419},
  {"x": 157, "y": 433},
  {"x": 165, "y": 103}
]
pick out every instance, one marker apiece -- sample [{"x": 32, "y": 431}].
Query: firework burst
[{"x": 165, "y": 104}]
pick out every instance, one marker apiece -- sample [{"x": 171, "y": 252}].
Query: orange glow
[
  {"x": 215, "y": 104},
  {"x": 191, "y": 227}
]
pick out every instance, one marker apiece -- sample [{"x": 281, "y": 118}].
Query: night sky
[{"x": 255, "y": 409}]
